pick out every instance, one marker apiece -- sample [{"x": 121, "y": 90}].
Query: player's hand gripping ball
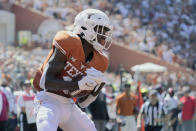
[
  {"x": 90, "y": 83},
  {"x": 86, "y": 86}
]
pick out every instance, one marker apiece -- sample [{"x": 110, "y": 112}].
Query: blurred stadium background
[{"x": 162, "y": 32}]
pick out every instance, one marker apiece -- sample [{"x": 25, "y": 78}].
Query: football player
[{"x": 76, "y": 62}]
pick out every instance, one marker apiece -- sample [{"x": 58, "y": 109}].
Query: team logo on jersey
[
  {"x": 73, "y": 59},
  {"x": 72, "y": 70},
  {"x": 82, "y": 66}
]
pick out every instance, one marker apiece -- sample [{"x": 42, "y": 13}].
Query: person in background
[
  {"x": 193, "y": 94},
  {"x": 98, "y": 110},
  {"x": 125, "y": 105},
  {"x": 178, "y": 96},
  {"x": 173, "y": 117},
  {"x": 170, "y": 102},
  {"x": 153, "y": 113},
  {"x": 25, "y": 102},
  {"x": 5, "y": 89},
  {"x": 144, "y": 92},
  {"x": 4, "y": 109},
  {"x": 160, "y": 94},
  {"x": 111, "y": 108},
  {"x": 188, "y": 110},
  {"x": 12, "y": 120},
  {"x": 12, "y": 114}
]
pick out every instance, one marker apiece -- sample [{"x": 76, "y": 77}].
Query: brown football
[
  {"x": 94, "y": 92},
  {"x": 79, "y": 93}
]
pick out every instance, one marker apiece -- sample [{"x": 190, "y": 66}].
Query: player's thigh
[
  {"x": 78, "y": 121},
  {"x": 47, "y": 118}
]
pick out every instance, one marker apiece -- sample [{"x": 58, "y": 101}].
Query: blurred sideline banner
[{"x": 24, "y": 38}]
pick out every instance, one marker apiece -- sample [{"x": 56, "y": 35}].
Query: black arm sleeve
[
  {"x": 53, "y": 68},
  {"x": 96, "y": 92}
]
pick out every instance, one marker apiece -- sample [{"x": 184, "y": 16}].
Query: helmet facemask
[{"x": 103, "y": 39}]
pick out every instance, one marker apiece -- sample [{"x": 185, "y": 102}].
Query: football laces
[{"x": 90, "y": 84}]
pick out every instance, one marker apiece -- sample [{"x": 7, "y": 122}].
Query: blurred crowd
[
  {"x": 18, "y": 64},
  {"x": 164, "y": 28}
]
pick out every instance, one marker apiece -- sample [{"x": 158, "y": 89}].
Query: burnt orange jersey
[{"x": 71, "y": 46}]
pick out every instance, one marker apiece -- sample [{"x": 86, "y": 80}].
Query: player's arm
[
  {"x": 165, "y": 116},
  {"x": 52, "y": 70},
  {"x": 140, "y": 117},
  {"x": 139, "y": 120}
]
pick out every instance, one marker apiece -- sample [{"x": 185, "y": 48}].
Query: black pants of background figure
[
  {"x": 114, "y": 128},
  {"x": 3, "y": 125},
  {"x": 100, "y": 125},
  {"x": 59, "y": 129},
  {"x": 11, "y": 124},
  {"x": 153, "y": 128},
  {"x": 24, "y": 124},
  {"x": 174, "y": 127}
]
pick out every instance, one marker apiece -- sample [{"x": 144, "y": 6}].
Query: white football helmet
[{"x": 94, "y": 26}]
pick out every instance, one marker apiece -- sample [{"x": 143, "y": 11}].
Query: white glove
[
  {"x": 96, "y": 75},
  {"x": 87, "y": 101},
  {"x": 86, "y": 83}
]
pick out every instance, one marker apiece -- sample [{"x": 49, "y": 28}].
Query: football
[
  {"x": 79, "y": 93},
  {"x": 82, "y": 93}
]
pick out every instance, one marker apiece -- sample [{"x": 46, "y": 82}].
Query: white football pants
[
  {"x": 52, "y": 110},
  {"x": 130, "y": 124}
]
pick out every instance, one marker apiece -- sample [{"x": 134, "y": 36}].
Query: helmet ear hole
[
  {"x": 94, "y": 39},
  {"x": 84, "y": 28}
]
